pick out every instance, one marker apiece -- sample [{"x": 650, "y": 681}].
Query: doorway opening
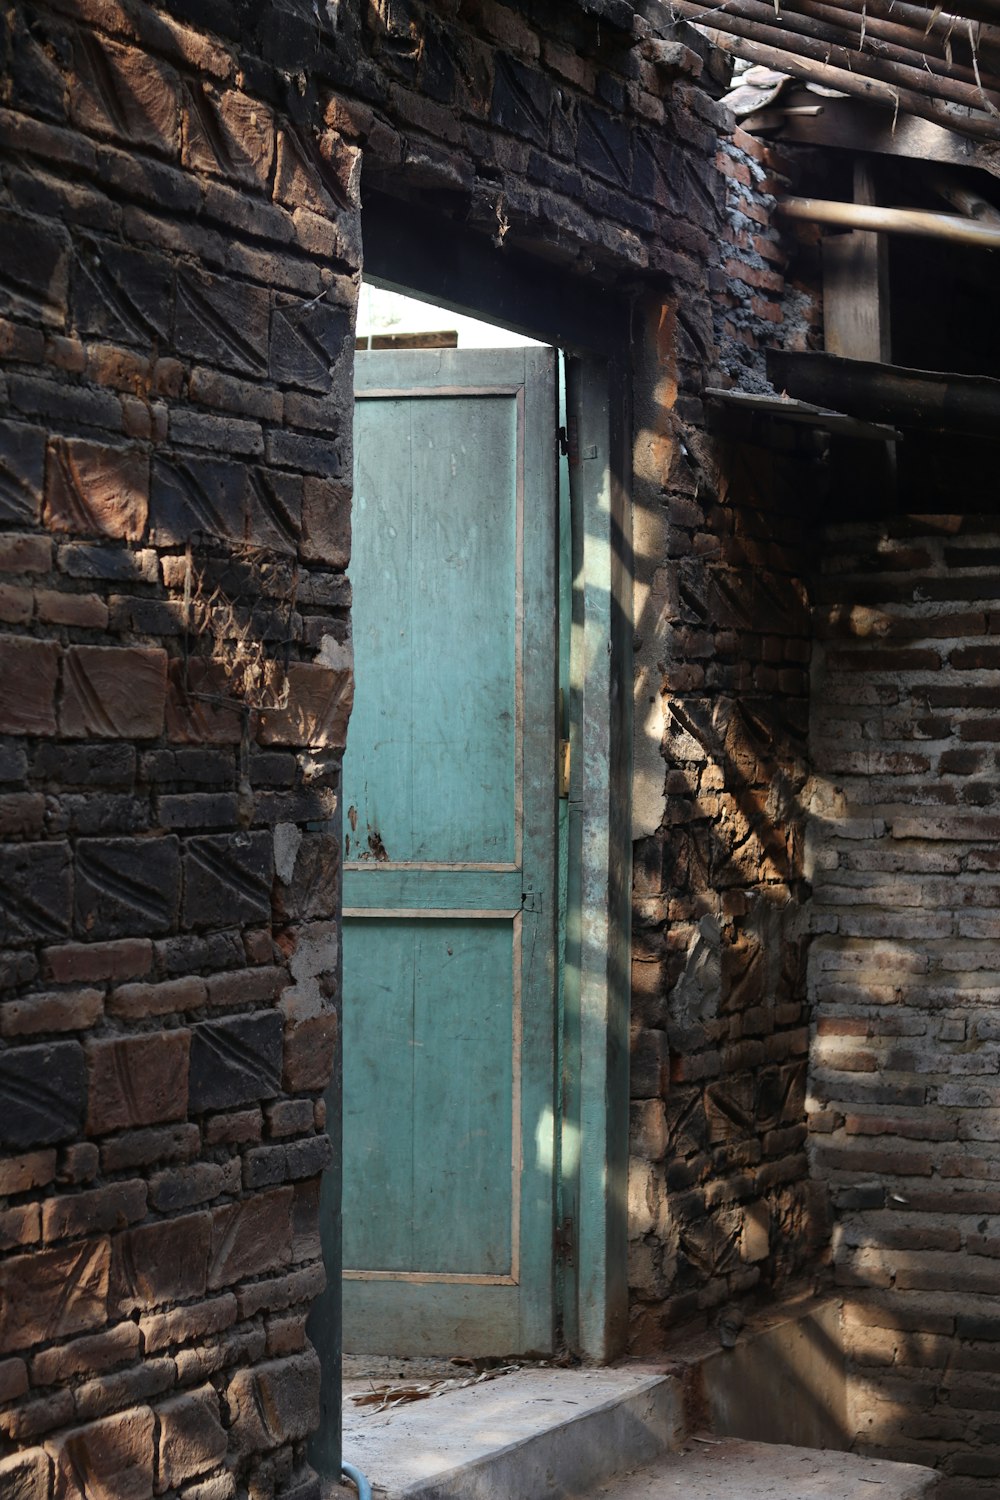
[
  {"x": 455, "y": 834},
  {"x": 570, "y": 1153}
]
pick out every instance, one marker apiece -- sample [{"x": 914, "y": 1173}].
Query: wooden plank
[
  {"x": 804, "y": 413},
  {"x": 444, "y": 339},
  {"x": 459, "y": 268},
  {"x": 952, "y": 116},
  {"x": 430, "y": 720},
  {"x": 930, "y": 399},
  {"x": 856, "y": 285},
  {"x": 467, "y": 1089},
  {"x": 376, "y": 760},
  {"x": 378, "y": 1066},
  {"x": 957, "y": 229},
  {"x": 465, "y": 710},
  {"x": 852, "y": 125},
  {"x": 438, "y": 889},
  {"x": 383, "y": 1317},
  {"x": 429, "y": 1026}
]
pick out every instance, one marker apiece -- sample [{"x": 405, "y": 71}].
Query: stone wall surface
[
  {"x": 905, "y": 979},
  {"x": 180, "y": 197}
]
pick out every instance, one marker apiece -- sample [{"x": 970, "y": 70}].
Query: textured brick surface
[
  {"x": 96, "y": 490},
  {"x": 227, "y": 879},
  {"x": 904, "y": 979},
  {"x": 28, "y": 673},
  {"x": 26, "y": 1476},
  {"x": 43, "y": 1092},
  {"x": 115, "y": 1455},
  {"x": 126, "y": 888},
  {"x": 235, "y": 1062},
  {"x": 52, "y": 1293},
  {"x": 191, "y": 1437},
  {"x": 250, "y": 1237},
  {"x": 719, "y": 1198},
  {"x": 161, "y": 1263},
  {"x": 276, "y": 1401},
  {"x": 109, "y": 693},
  {"x": 139, "y": 1080},
  {"x": 22, "y": 467}
]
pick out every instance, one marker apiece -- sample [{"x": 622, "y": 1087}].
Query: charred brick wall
[
  {"x": 904, "y": 981},
  {"x": 177, "y": 296},
  {"x": 721, "y": 1207},
  {"x": 721, "y": 1204}
]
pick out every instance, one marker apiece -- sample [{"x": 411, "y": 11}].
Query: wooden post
[
  {"x": 856, "y": 308},
  {"x": 856, "y": 285}
]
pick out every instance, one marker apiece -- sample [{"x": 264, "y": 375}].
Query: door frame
[{"x": 409, "y": 251}]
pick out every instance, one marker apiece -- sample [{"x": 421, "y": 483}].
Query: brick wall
[
  {"x": 905, "y": 979},
  {"x": 721, "y": 1208},
  {"x": 721, "y": 1202},
  {"x": 176, "y": 306}
]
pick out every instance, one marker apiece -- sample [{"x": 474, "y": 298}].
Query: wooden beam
[
  {"x": 947, "y": 51},
  {"x": 932, "y": 400},
  {"x": 854, "y": 125},
  {"x": 924, "y": 18},
  {"x": 974, "y": 10},
  {"x": 801, "y": 413},
  {"x": 962, "y": 198}
]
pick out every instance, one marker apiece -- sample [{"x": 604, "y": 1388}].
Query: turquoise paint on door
[{"x": 450, "y": 891}]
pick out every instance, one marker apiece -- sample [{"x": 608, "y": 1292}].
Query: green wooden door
[{"x": 450, "y": 888}]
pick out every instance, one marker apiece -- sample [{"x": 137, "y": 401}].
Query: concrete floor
[{"x": 731, "y": 1469}]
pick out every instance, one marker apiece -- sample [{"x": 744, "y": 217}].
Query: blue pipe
[{"x": 358, "y": 1480}]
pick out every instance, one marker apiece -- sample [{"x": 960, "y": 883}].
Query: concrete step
[
  {"x": 732, "y": 1469},
  {"x": 539, "y": 1434}
]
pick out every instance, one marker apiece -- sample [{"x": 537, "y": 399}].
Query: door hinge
[
  {"x": 531, "y": 901},
  {"x": 565, "y": 764},
  {"x": 562, "y": 1242}
]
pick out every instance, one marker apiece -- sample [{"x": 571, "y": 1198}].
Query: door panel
[
  {"x": 447, "y": 569},
  {"x": 460, "y": 1147},
  {"x": 449, "y": 879}
]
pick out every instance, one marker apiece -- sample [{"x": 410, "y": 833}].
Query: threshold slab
[{"x": 536, "y": 1434}]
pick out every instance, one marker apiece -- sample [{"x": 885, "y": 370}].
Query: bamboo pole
[
  {"x": 927, "y": 17},
  {"x": 863, "y": 86},
  {"x": 832, "y": 54},
  {"x": 909, "y": 221},
  {"x": 971, "y": 10},
  {"x": 935, "y": 52},
  {"x": 754, "y": 17}
]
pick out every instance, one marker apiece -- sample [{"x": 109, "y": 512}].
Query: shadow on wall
[
  {"x": 905, "y": 980},
  {"x": 784, "y": 1380},
  {"x": 720, "y": 1201}
]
